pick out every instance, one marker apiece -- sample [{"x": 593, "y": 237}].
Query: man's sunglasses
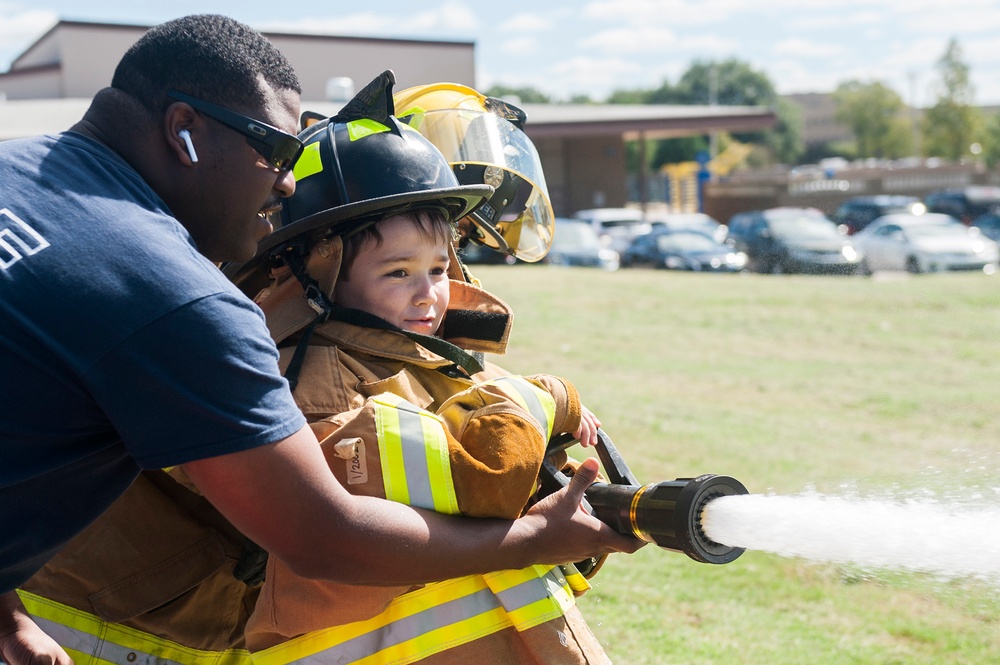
[{"x": 279, "y": 149}]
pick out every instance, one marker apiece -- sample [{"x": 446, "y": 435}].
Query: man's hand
[
  {"x": 22, "y": 642},
  {"x": 564, "y": 532}
]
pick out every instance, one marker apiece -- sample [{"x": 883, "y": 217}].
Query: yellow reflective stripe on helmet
[
  {"x": 310, "y": 163},
  {"x": 91, "y": 641},
  {"x": 413, "y": 117},
  {"x": 536, "y": 401},
  {"x": 413, "y": 450},
  {"x": 359, "y": 129},
  {"x": 434, "y": 619}
]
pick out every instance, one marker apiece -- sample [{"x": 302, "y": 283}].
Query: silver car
[
  {"x": 930, "y": 242},
  {"x": 616, "y": 227}
]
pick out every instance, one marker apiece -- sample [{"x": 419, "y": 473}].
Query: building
[
  {"x": 819, "y": 119},
  {"x": 76, "y": 59},
  {"x": 582, "y": 147}
]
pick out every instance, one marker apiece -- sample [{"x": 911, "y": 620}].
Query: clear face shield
[{"x": 484, "y": 148}]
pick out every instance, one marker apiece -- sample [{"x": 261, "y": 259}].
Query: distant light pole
[{"x": 713, "y": 100}]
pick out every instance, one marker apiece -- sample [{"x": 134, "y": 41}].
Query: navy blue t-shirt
[{"x": 121, "y": 347}]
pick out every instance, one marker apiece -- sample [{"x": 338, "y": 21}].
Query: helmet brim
[{"x": 454, "y": 202}]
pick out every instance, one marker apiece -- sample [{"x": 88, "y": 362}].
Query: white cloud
[
  {"x": 828, "y": 21},
  {"x": 519, "y": 45},
  {"x": 630, "y": 40},
  {"x": 453, "y": 17},
  {"x": 453, "y": 20},
  {"x": 806, "y": 48},
  {"x": 673, "y": 12},
  {"x": 526, "y": 22},
  {"x": 19, "y": 27},
  {"x": 363, "y": 23}
]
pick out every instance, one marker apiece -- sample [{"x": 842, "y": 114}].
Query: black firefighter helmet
[{"x": 358, "y": 166}]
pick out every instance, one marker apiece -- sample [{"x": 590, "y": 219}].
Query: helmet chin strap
[{"x": 294, "y": 257}]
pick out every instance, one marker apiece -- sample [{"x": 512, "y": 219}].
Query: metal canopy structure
[{"x": 649, "y": 121}]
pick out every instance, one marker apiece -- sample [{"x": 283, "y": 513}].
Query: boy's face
[{"x": 404, "y": 280}]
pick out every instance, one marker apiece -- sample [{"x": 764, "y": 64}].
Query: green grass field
[{"x": 872, "y": 387}]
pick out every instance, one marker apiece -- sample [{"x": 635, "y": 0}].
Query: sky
[{"x": 594, "y": 47}]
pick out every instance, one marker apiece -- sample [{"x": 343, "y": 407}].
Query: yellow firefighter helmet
[{"x": 483, "y": 140}]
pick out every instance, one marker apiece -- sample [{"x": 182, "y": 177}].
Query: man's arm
[{"x": 284, "y": 497}]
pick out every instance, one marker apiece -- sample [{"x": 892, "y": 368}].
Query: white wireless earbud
[{"x": 186, "y": 135}]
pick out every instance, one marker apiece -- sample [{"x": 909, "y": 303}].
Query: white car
[
  {"x": 616, "y": 227},
  {"x": 930, "y": 242}
]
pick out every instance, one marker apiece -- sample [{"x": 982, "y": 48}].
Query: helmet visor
[{"x": 483, "y": 148}]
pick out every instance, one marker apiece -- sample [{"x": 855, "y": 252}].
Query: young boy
[{"x": 403, "y": 411}]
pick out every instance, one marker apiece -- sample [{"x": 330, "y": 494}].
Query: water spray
[{"x": 668, "y": 513}]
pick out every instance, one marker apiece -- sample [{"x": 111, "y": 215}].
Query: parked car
[
  {"x": 931, "y": 242},
  {"x": 615, "y": 226},
  {"x": 690, "y": 221},
  {"x": 575, "y": 243},
  {"x": 792, "y": 240},
  {"x": 989, "y": 224},
  {"x": 474, "y": 253},
  {"x": 858, "y": 212},
  {"x": 682, "y": 250},
  {"x": 963, "y": 204}
]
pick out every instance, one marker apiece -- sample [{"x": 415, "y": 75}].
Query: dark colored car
[
  {"x": 989, "y": 224},
  {"x": 689, "y": 221},
  {"x": 858, "y": 212},
  {"x": 474, "y": 253},
  {"x": 963, "y": 204},
  {"x": 792, "y": 240},
  {"x": 682, "y": 250},
  {"x": 575, "y": 243}
]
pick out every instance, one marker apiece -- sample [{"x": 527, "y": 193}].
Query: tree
[
  {"x": 735, "y": 83},
  {"x": 991, "y": 141},
  {"x": 875, "y": 114},
  {"x": 951, "y": 125},
  {"x": 730, "y": 83},
  {"x": 785, "y": 140},
  {"x": 629, "y": 97}
]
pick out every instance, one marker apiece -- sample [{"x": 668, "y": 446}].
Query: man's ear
[{"x": 180, "y": 127}]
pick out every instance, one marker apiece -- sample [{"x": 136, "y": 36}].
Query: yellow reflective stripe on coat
[
  {"x": 413, "y": 450},
  {"x": 433, "y": 619},
  {"x": 539, "y": 403},
  {"x": 91, "y": 641}
]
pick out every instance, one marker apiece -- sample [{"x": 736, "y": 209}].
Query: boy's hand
[{"x": 586, "y": 433}]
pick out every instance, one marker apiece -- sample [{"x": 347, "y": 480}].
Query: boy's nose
[{"x": 425, "y": 294}]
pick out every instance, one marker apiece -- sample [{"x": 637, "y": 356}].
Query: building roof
[
  {"x": 56, "y": 64},
  {"x": 651, "y": 121}
]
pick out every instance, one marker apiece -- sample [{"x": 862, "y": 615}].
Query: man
[{"x": 125, "y": 348}]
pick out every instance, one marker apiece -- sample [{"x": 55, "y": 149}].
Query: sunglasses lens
[{"x": 284, "y": 153}]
